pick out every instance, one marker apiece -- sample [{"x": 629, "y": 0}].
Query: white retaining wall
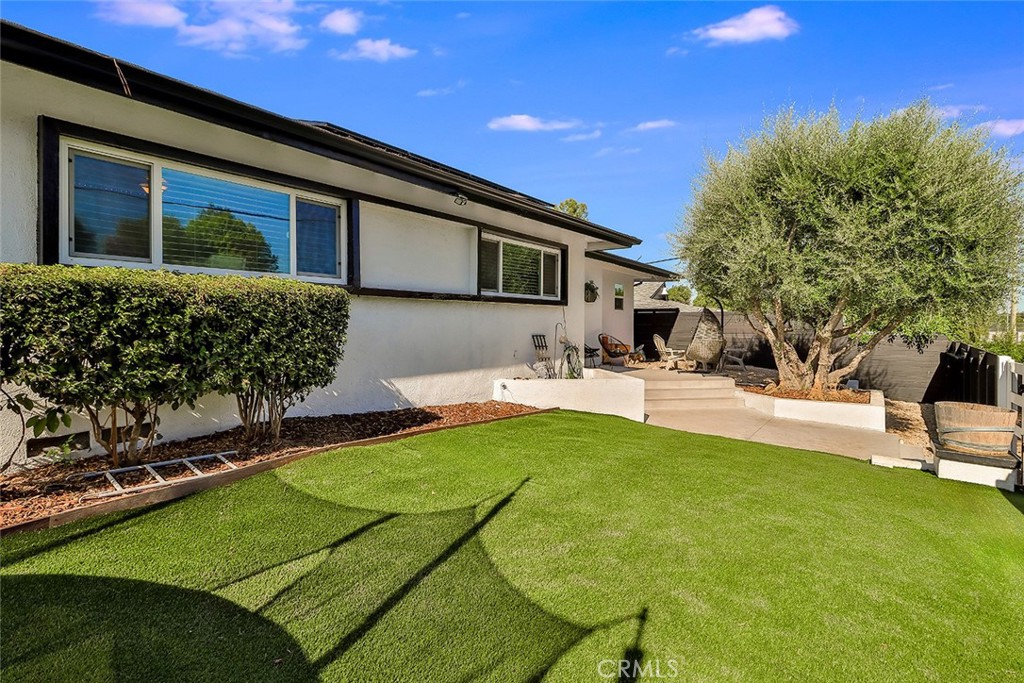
[
  {"x": 600, "y": 391},
  {"x": 860, "y": 415}
]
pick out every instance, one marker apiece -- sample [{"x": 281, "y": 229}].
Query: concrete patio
[{"x": 711, "y": 404}]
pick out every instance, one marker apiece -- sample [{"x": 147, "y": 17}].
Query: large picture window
[
  {"x": 149, "y": 212},
  {"x": 515, "y": 268}
]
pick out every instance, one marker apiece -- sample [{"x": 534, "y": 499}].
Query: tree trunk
[
  {"x": 815, "y": 373},
  {"x": 793, "y": 372}
]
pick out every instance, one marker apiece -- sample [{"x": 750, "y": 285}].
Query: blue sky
[{"x": 614, "y": 104}]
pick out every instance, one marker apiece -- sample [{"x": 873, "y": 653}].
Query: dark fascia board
[
  {"x": 38, "y": 51},
  {"x": 614, "y": 259}
]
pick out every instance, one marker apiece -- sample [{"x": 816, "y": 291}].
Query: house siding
[
  {"x": 601, "y": 315},
  {"x": 401, "y": 351}
]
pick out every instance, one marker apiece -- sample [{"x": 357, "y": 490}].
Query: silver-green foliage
[{"x": 885, "y": 227}]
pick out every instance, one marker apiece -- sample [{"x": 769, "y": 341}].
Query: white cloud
[
  {"x": 952, "y": 111},
  {"x": 437, "y": 92},
  {"x": 346, "y": 22},
  {"x": 651, "y": 125},
  {"x": 580, "y": 137},
  {"x": 156, "y": 14},
  {"x": 232, "y": 28},
  {"x": 382, "y": 50},
  {"x": 525, "y": 122},
  {"x": 763, "y": 23},
  {"x": 1005, "y": 128},
  {"x": 941, "y": 86},
  {"x": 616, "y": 151},
  {"x": 676, "y": 52}
]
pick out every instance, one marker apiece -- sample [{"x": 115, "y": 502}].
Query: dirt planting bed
[
  {"x": 840, "y": 396},
  {"x": 43, "y": 491}
]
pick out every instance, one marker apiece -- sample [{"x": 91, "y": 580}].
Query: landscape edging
[{"x": 186, "y": 487}]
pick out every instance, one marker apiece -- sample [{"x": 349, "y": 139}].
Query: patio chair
[
  {"x": 544, "y": 365},
  {"x": 732, "y": 356},
  {"x": 615, "y": 349},
  {"x": 708, "y": 341},
  {"x": 670, "y": 357},
  {"x": 591, "y": 355}
]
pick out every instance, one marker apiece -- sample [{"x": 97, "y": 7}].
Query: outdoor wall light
[{"x": 460, "y": 199}]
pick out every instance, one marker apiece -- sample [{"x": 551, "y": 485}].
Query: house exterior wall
[
  {"x": 594, "y": 311},
  {"x": 404, "y": 250},
  {"x": 601, "y": 316},
  {"x": 401, "y": 351}
]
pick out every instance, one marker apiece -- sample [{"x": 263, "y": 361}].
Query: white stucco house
[{"x": 103, "y": 162}]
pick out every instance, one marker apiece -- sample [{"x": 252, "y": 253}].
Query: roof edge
[
  {"x": 615, "y": 259},
  {"x": 41, "y": 52}
]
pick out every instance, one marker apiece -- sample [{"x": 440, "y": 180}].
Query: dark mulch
[{"x": 42, "y": 491}]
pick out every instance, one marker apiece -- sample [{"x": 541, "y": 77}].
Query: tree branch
[
  {"x": 837, "y": 376},
  {"x": 857, "y": 327}
]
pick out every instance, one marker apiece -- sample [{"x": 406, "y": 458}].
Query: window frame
[
  {"x": 70, "y": 145},
  {"x": 486, "y": 236}
]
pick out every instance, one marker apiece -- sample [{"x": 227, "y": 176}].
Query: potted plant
[{"x": 590, "y": 292}]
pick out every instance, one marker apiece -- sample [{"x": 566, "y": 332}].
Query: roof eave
[
  {"x": 645, "y": 269},
  {"x": 40, "y": 52}
]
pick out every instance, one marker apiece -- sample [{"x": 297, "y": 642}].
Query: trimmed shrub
[
  {"x": 117, "y": 343},
  {"x": 281, "y": 340}
]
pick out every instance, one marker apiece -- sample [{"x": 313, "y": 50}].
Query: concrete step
[
  {"x": 685, "y": 405},
  {"x": 700, "y": 382},
  {"x": 912, "y": 452},
  {"x": 657, "y": 393}
]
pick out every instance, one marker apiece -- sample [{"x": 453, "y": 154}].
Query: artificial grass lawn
[{"x": 430, "y": 559}]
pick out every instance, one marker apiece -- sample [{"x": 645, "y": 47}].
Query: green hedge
[
  {"x": 94, "y": 339},
  {"x": 1003, "y": 346}
]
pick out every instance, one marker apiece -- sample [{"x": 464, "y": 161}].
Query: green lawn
[{"x": 534, "y": 547}]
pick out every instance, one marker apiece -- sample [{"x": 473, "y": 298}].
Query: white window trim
[
  {"x": 69, "y": 146},
  {"x": 492, "y": 237}
]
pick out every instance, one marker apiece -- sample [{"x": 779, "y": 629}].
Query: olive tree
[{"x": 855, "y": 234}]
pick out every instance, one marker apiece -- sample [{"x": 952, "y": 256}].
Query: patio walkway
[{"x": 708, "y": 404}]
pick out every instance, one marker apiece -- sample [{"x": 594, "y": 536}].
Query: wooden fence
[{"x": 901, "y": 372}]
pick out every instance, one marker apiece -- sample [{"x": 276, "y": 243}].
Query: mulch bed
[
  {"x": 42, "y": 491},
  {"x": 840, "y": 396}
]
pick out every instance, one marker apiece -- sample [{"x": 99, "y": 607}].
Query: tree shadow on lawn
[
  {"x": 1016, "y": 499},
  {"x": 60, "y": 627},
  {"x": 392, "y": 597}
]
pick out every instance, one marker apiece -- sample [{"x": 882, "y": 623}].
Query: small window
[
  {"x": 488, "y": 266},
  {"x": 620, "y": 297},
  {"x": 518, "y": 268},
  {"x": 110, "y": 208},
  {"x": 316, "y": 232},
  {"x": 213, "y": 223}
]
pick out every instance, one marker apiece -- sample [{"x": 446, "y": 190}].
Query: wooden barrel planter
[{"x": 974, "y": 428}]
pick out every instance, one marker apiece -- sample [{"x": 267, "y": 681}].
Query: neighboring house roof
[
  {"x": 643, "y": 268},
  {"x": 33, "y": 50},
  {"x": 651, "y": 295}
]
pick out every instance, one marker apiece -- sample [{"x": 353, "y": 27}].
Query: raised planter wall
[
  {"x": 860, "y": 415},
  {"x": 600, "y": 391}
]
